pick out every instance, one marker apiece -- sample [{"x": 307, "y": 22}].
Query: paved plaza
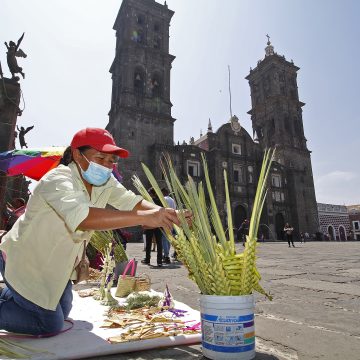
[{"x": 315, "y": 313}]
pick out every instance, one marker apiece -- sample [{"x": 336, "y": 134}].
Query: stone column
[{"x": 9, "y": 110}]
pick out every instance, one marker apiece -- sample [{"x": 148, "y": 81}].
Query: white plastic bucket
[{"x": 228, "y": 329}]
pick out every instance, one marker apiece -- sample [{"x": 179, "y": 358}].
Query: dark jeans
[
  {"x": 20, "y": 315},
  {"x": 158, "y": 236},
  {"x": 289, "y": 239},
  {"x": 166, "y": 246}
]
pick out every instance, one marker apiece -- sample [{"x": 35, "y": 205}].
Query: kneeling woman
[{"x": 39, "y": 254}]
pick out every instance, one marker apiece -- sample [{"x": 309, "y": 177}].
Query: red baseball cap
[{"x": 99, "y": 139}]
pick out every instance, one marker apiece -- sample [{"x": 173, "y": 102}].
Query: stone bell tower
[
  {"x": 276, "y": 116},
  {"x": 140, "y": 114}
]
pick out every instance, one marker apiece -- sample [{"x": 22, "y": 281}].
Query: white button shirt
[{"x": 42, "y": 247}]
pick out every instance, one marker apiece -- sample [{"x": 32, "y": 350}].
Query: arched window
[
  {"x": 157, "y": 42},
  {"x": 139, "y": 85},
  {"x": 156, "y": 27},
  {"x": 238, "y": 174},
  {"x": 156, "y": 86},
  {"x": 276, "y": 180},
  {"x": 342, "y": 233},
  {"x": 140, "y": 19},
  {"x": 239, "y": 216}
]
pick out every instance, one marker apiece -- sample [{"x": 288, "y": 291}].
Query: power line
[{"x": 230, "y": 91}]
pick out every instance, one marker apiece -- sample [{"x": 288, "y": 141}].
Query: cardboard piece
[{"x": 86, "y": 339}]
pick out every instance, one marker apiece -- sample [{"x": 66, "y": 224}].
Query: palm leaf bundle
[
  {"x": 101, "y": 241},
  {"x": 205, "y": 248}
]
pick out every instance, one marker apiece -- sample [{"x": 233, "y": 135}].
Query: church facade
[{"x": 140, "y": 120}]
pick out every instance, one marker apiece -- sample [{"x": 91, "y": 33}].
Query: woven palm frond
[{"x": 205, "y": 248}]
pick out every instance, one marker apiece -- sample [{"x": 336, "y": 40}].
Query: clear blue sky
[{"x": 71, "y": 44}]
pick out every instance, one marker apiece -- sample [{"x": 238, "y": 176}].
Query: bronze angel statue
[{"x": 13, "y": 52}]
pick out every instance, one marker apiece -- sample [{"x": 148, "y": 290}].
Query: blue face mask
[{"x": 96, "y": 174}]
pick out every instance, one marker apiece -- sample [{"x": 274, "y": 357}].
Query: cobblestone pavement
[{"x": 315, "y": 313}]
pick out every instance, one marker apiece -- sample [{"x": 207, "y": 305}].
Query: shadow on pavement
[
  {"x": 180, "y": 352},
  {"x": 262, "y": 356},
  {"x": 166, "y": 266}
]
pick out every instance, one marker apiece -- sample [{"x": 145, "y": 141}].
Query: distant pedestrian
[
  {"x": 153, "y": 233},
  {"x": 306, "y": 237},
  {"x": 165, "y": 241},
  {"x": 289, "y": 234},
  {"x": 243, "y": 231},
  {"x": 302, "y": 238}
]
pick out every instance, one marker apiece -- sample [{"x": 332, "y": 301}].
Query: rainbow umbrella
[{"x": 33, "y": 163}]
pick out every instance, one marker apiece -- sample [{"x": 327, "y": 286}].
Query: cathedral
[{"x": 140, "y": 120}]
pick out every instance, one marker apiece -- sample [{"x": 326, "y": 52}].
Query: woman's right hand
[{"x": 160, "y": 217}]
